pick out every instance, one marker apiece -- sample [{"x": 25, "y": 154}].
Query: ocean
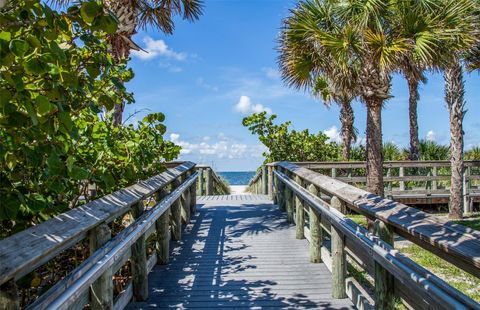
[{"x": 237, "y": 177}]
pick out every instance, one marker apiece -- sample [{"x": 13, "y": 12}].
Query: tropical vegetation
[
  {"x": 58, "y": 85},
  {"x": 365, "y": 42}
]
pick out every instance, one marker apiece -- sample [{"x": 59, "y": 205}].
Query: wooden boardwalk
[{"x": 240, "y": 252}]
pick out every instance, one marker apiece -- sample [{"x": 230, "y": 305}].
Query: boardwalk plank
[{"x": 240, "y": 252}]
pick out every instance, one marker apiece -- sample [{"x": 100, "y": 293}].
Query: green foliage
[
  {"x": 392, "y": 152},
  {"x": 473, "y": 154},
  {"x": 431, "y": 150},
  {"x": 57, "y": 78},
  {"x": 285, "y": 144}
]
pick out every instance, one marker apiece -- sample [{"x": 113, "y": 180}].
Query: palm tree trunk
[
  {"x": 374, "y": 147},
  {"x": 412, "y": 112},
  {"x": 348, "y": 133},
  {"x": 454, "y": 96}
]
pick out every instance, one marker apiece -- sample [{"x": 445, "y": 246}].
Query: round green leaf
[
  {"x": 89, "y": 10},
  {"x": 19, "y": 47},
  {"x": 44, "y": 106}
]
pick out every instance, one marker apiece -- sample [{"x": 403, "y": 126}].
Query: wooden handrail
[
  {"x": 419, "y": 287},
  {"x": 209, "y": 183},
  {"x": 31, "y": 248},
  {"x": 386, "y": 164}
]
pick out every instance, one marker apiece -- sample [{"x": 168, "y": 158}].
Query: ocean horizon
[{"x": 237, "y": 177}]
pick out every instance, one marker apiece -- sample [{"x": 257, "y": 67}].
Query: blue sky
[{"x": 209, "y": 74}]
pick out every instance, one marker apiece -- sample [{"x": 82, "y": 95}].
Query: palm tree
[
  {"x": 136, "y": 14},
  {"x": 304, "y": 68}
]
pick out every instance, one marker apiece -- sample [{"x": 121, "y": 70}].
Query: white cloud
[
  {"x": 155, "y": 48},
  {"x": 245, "y": 106},
  {"x": 271, "y": 73},
  {"x": 222, "y": 148},
  {"x": 333, "y": 134},
  {"x": 201, "y": 82},
  {"x": 431, "y": 136}
]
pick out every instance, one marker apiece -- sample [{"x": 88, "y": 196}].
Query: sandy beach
[{"x": 237, "y": 189}]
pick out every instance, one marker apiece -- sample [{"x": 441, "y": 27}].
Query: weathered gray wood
[
  {"x": 270, "y": 188},
  {"x": 162, "y": 226},
  {"x": 339, "y": 259},
  {"x": 28, "y": 249},
  {"x": 193, "y": 199},
  {"x": 454, "y": 243},
  {"x": 401, "y": 175},
  {"x": 185, "y": 204},
  {"x": 220, "y": 265},
  {"x": 316, "y": 238},
  {"x": 201, "y": 181},
  {"x": 299, "y": 213},
  {"x": 9, "y": 296},
  {"x": 280, "y": 191},
  {"x": 384, "y": 290},
  {"x": 139, "y": 261},
  {"x": 264, "y": 180},
  {"x": 209, "y": 182},
  {"x": 101, "y": 291},
  {"x": 334, "y": 172},
  {"x": 289, "y": 204},
  {"x": 176, "y": 218}
]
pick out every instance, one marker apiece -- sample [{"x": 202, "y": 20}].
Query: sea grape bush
[
  {"x": 285, "y": 144},
  {"x": 58, "y": 85}
]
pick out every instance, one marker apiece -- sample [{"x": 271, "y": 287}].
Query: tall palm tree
[
  {"x": 135, "y": 14},
  {"x": 304, "y": 67}
]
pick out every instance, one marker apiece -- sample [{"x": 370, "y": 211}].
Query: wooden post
[
  {"x": 264, "y": 180},
  {"x": 270, "y": 183},
  {"x": 299, "y": 213},
  {"x": 315, "y": 230},
  {"x": 9, "y": 296},
  {"x": 465, "y": 187},
  {"x": 289, "y": 204},
  {"x": 162, "y": 226},
  {"x": 389, "y": 183},
  {"x": 193, "y": 199},
  {"x": 280, "y": 193},
  {"x": 101, "y": 291},
  {"x": 339, "y": 260},
  {"x": 200, "y": 182},
  {"x": 176, "y": 220},
  {"x": 139, "y": 261},
  {"x": 384, "y": 292},
  {"x": 209, "y": 181},
  {"x": 334, "y": 173},
  {"x": 401, "y": 174},
  {"x": 434, "y": 174},
  {"x": 185, "y": 202}
]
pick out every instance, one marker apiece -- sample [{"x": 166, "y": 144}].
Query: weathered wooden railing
[
  {"x": 415, "y": 182},
  {"x": 171, "y": 202},
  {"x": 298, "y": 191},
  {"x": 209, "y": 183},
  {"x": 259, "y": 184}
]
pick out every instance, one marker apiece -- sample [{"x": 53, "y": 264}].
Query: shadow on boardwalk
[{"x": 240, "y": 256}]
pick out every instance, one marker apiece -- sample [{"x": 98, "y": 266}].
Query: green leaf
[
  {"x": 106, "y": 101},
  {"x": 66, "y": 120},
  {"x": 89, "y": 10},
  {"x": 55, "y": 165},
  {"x": 35, "y": 66},
  {"x": 9, "y": 206},
  {"x": 44, "y": 106},
  {"x": 31, "y": 112},
  {"x": 57, "y": 186},
  {"x": 5, "y": 36},
  {"x": 36, "y": 202},
  {"x": 19, "y": 47},
  {"x": 93, "y": 70},
  {"x": 5, "y": 97},
  {"x": 79, "y": 173},
  {"x": 108, "y": 24}
]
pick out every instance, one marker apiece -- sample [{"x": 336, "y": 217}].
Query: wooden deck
[{"x": 240, "y": 252}]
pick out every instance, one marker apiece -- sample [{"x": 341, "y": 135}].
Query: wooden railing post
[
  {"x": 176, "y": 220},
  {"x": 101, "y": 291},
  {"x": 315, "y": 230},
  {"x": 139, "y": 261},
  {"x": 465, "y": 187},
  {"x": 200, "y": 182},
  {"x": 434, "y": 174},
  {"x": 193, "y": 199},
  {"x": 270, "y": 188},
  {"x": 389, "y": 183},
  {"x": 264, "y": 180},
  {"x": 299, "y": 213},
  {"x": 280, "y": 192},
  {"x": 334, "y": 173},
  {"x": 209, "y": 181},
  {"x": 384, "y": 292},
  {"x": 289, "y": 203},
  {"x": 185, "y": 203},
  {"x": 162, "y": 226},
  {"x": 339, "y": 260},
  {"x": 9, "y": 296},
  {"x": 402, "y": 182}
]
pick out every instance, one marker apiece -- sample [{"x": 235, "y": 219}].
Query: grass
[{"x": 456, "y": 277}]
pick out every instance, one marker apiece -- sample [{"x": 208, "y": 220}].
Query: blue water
[{"x": 238, "y": 177}]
